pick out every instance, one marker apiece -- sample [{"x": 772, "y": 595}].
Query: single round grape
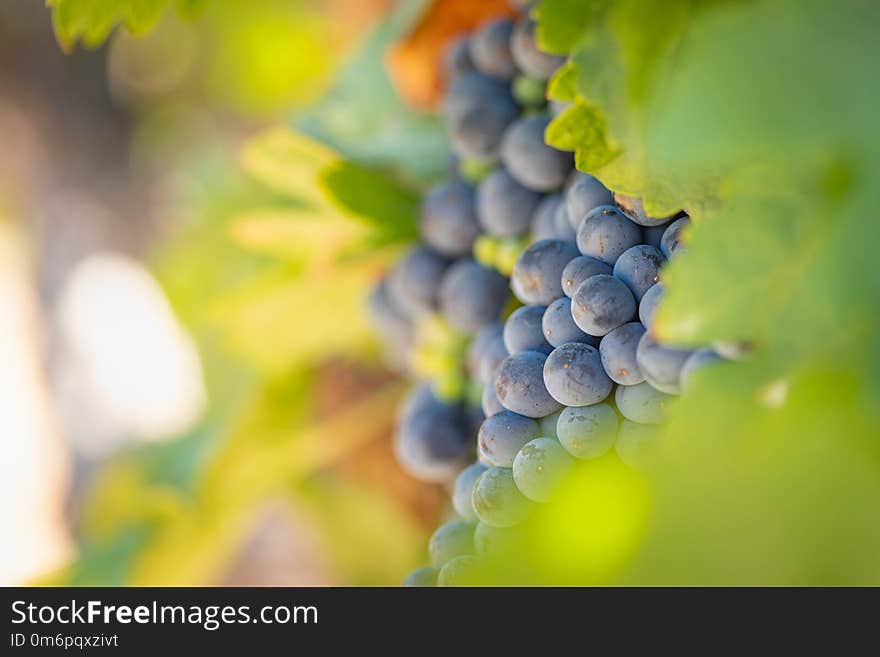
[
  {"x": 539, "y": 467},
  {"x": 449, "y": 218},
  {"x": 574, "y": 375},
  {"x": 460, "y": 571},
  {"x": 463, "y": 491},
  {"x": 548, "y": 424},
  {"x": 660, "y": 364},
  {"x": 477, "y": 111},
  {"x": 587, "y": 432},
  {"x": 451, "y": 540},
  {"x": 529, "y": 159},
  {"x": 671, "y": 242},
  {"x": 697, "y": 361},
  {"x": 479, "y": 345},
  {"x": 580, "y": 269},
  {"x": 490, "y": 363},
  {"x": 415, "y": 282},
  {"x": 601, "y": 304},
  {"x": 639, "y": 267},
  {"x": 502, "y": 435},
  {"x": 605, "y": 233},
  {"x": 584, "y": 194},
  {"x": 633, "y": 440},
  {"x": 526, "y": 54},
  {"x": 497, "y": 501},
  {"x": 520, "y": 385},
  {"x": 559, "y": 327},
  {"x": 618, "y": 352},
  {"x": 635, "y": 210},
  {"x": 471, "y": 295},
  {"x": 504, "y": 207},
  {"x": 543, "y": 226},
  {"x": 537, "y": 274},
  {"x": 648, "y": 304},
  {"x": 457, "y": 60},
  {"x": 433, "y": 438},
  {"x": 641, "y": 403},
  {"x": 652, "y": 235},
  {"x": 490, "y": 49},
  {"x": 421, "y": 577},
  {"x": 489, "y": 401},
  {"x": 523, "y": 331}
]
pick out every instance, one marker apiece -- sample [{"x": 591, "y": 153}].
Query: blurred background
[
  {"x": 193, "y": 211},
  {"x": 190, "y": 391}
]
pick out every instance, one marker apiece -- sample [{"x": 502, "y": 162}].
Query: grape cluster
[{"x": 575, "y": 370}]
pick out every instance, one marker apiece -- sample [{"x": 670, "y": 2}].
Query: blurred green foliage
[
  {"x": 93, "y": 20},
  {"x": 269, "y": 266},
  {"x": 758, "y": 119}
]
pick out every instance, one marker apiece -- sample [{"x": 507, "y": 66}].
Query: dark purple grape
[
  {"x": 602, "y": 304},
  {"x": 639, "y": 267},
  {"x": 520, "y": 385},
  {"x": 415, "y": 282},
  {"x": 574, "y": 375},
  {"x": 605, "y": 233},
  {"x": 501, "y": 437},
  {"x": 671, "y": 242},
  {"x": 471, "y": 295},
  {"x": 648, "y": 304},
  {"x": 530, "y": 160},
  {"x": 504, "y": 207},
  {"x": 449, "y": 218},
  {"x": 537, "y": 274},
  {"x": 523, "y": 331},
  {"x": 583, "y": 194},
  {"x": 618, "y": 352}
]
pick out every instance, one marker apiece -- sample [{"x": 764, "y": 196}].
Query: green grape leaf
[
  {"x": 755, "y": 117},
  {"x": 580, "y": 128},
  {"x": 92, "y": 21},
  {"x": 563, "y": 84},
  {"x": 562, "y": 24}
]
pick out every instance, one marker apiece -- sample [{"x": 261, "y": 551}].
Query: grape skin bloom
[
  {"x": 537, "y": 274},
  {"x": 501, "y": 437},
  {"x": 539, "y": 467},
  {"x": 497, "y": 501},
  {"x": 605, "y": 233},
  {"x": 574, "y": 375},
  {"x": 641, "y": 403},
  {"x": 618, "y": 352},
  {"x": 520, "y": 385},
  {"x": 523, "y": 331},
  {"x": 587, "y": 432},
  {"x": 602, "y": 304}
]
